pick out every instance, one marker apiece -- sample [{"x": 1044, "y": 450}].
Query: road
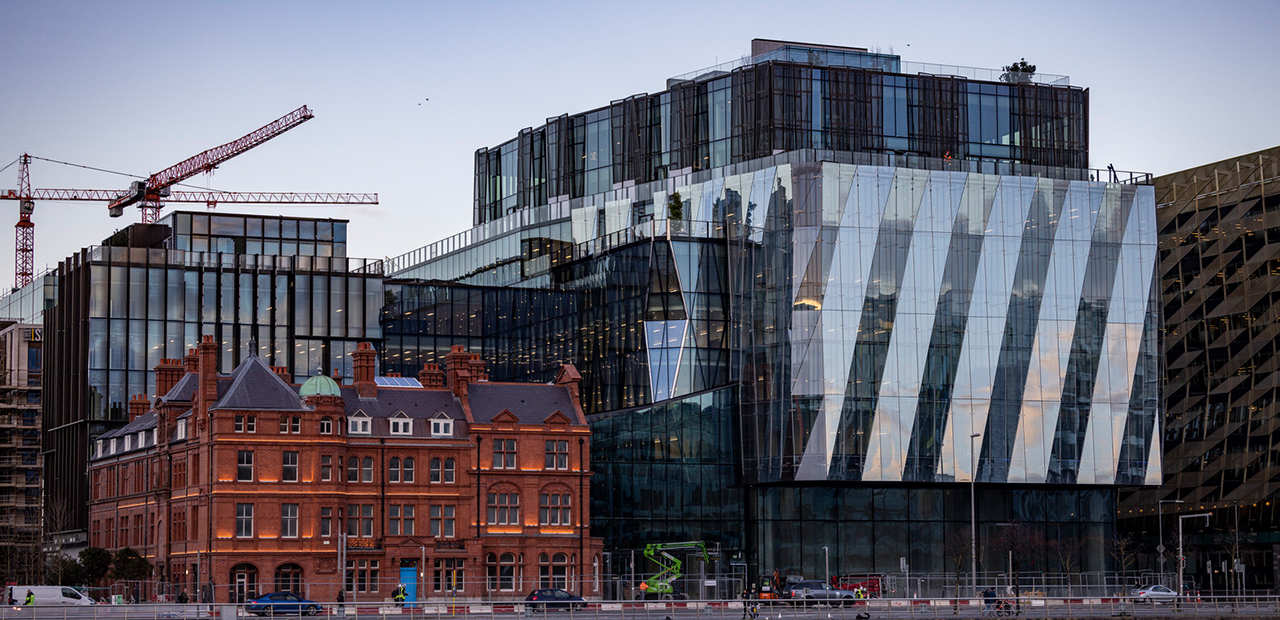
[{"x": 875, "y": 610}]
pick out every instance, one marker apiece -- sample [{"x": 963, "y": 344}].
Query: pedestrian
[
  {"x": 746, "y": 605},
  {"x": 988, "y": 601},
  {"x": 342, "y": 598},
  {"x": 399, "y": 595},
  {"x": 182, "y": 598}
]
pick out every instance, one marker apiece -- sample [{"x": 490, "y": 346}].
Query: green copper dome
[{"x": 319, "y": 385}]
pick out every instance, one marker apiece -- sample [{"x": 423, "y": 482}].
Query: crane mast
[{"x": 24, "y": 232}]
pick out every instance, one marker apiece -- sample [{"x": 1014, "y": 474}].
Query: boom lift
[{"x": 659, "y": 585}]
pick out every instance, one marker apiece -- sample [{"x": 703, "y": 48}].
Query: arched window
[
  {"x": 289, "y": 578},
  {"x": 326, "y": 425},
  {"x": 366, "y": 469},
  {"x": 353, "y": 469},
  {"x": 393, "y": 473},
  {"x": 435, "y": 470},
  {"x": 448, "y": 471},
  {"x": 408, "y": 469},
  {"x": 244, "y": 582},
  {"x": 507, "y": 572},
  {"x": 554, "y": 508}
]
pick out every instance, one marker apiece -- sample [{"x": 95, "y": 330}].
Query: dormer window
[
  {"x": 98, "y": 447},
  {"x": 358, "y": 424},
  {"x": 128, "y": 442},
  {"x": 401, "y": 424},
  {"x": 441, "y": 427},
  {"x": 182, "y": 430},
  {"x": 115, "y": 445}
]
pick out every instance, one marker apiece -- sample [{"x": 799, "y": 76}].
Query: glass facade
[
  {"x": 834, "y": 267},
  {"x": 782, "y": 100},
  {"x": 123, "y": 307}
]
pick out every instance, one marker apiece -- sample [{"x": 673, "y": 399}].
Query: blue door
[{"x": 409, "y": 577}]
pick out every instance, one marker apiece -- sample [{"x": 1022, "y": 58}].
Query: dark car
[
  {"x": 816, "y": 592},
  {"x": 281, "y": 603},
  {"x": 555, "y": 598}
]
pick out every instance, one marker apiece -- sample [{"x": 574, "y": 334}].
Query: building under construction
[{"x": 21, "y": 366}]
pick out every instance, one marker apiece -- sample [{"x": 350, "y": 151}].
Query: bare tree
[
  {"x": 1124, "y": 550},
  {"x": 956, "y": 549},
  {"x": 1020, "y": 541}
]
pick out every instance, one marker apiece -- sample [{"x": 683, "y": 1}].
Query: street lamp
[
  {"x": 1160, "y": 527},
  {"x": 826, "y": 562},
  {"x": 973, "y": 514},
  {"x": 1182, "y": 559}
]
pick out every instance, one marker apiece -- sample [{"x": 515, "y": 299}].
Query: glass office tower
[
  {"x": 147, "y": 295},
  {"x": 804, "y": 280}
]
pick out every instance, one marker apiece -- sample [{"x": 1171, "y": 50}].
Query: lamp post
[
  {"x": 1160, "y": 528},
  {"x": 826, "y": 563},
  {"x": 973, "y": 514},
  {"x": 1182, "y": 559}
]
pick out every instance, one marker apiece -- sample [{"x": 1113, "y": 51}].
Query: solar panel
[{"x": 408, "y": 382}]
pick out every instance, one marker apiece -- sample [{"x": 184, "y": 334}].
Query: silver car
[
  {"x": 816, "y": 592},
  {"x": 1155, "y": 594}
]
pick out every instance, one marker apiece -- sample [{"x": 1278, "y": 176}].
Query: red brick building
[{"x": 241, "y": 484}]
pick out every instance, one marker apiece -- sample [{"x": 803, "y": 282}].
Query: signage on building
[
  {"x": 451, "y": 544},
  {"x": 362, "y": 543}
]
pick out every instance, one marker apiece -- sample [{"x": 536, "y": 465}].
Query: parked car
[
  {"x": 554, "y": 598},
  {"x": 815, "y": 592},
  {"x": 1154, "y": 594},
  {"x": 281, "y": 603}
]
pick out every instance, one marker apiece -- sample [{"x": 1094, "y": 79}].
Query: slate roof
[
  {"x": 142, "y": 424},
  {"x": 185, "y": 389},
  {"x": 531, "y": 403},
  {"x": 255, "y": 386},
  {"x": 417, "y": 403}
]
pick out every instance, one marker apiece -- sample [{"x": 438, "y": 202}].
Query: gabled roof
[
  {"x": 257, "y": 387},
  {"x": 530, "y": 403}
]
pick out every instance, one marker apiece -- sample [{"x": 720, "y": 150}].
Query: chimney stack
[
  {"x": 138, "y": 405},
  {"x": 168, "y": 374},
  {"x": 363, "y": 366},
  {"x": 207, "y": 359},
  {"x": 431, "y": 376},
  {"x": 463, "y": 368},
  {"x": 283, "y": 373},
  {"x": 191, "y": 363}
]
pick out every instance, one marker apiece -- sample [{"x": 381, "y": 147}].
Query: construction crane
[
  {"x": 659, "y": 585},
  {"x": 156, "y": 189}
]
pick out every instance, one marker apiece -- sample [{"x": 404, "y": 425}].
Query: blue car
[{"x": 282, "y": 603}]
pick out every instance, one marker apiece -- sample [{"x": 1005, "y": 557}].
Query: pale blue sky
[{"x": 138, "y": 86}]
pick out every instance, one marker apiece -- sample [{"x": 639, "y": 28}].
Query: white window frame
[
  {"x": 401, "y": 424},
  {"x": 359, "y": 424},
  {"x": 441, "y": 427},
  {"x": 128, "y": 442},
  {"x": 182, "y": 431}
]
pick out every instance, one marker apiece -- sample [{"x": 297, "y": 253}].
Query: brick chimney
[
  {"x": 191, "y": 363},
  {"x": 168, "y": 374},
  {"x": 463, "y": 368},
  {"x": 138, "y": 405},
  {"x": 362, "y": 361},
  {"x": 283, "y": 373},
  {"x": 207, "y": 359},
  {"x": 431, "y": 376},
  {"x": 569, "y": 378}
]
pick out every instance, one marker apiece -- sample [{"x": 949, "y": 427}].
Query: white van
[{"x": 46, "y": 595}]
